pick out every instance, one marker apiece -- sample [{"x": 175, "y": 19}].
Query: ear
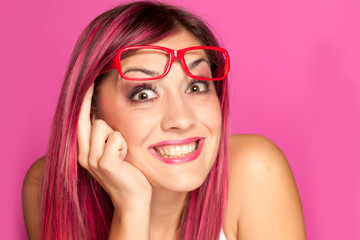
[{"x": 94, "y": 113}]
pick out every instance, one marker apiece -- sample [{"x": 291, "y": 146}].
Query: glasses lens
[
  {"x": 143, "y": 63},
  {"x": 205, "y": 63},
  {"x": 148, "y": 63}
]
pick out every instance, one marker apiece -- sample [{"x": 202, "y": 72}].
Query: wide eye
[
  {"x": 144, "y": 95},
  {"x": 198, "y": 87}
]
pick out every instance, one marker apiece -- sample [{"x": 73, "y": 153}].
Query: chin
[
  {"x": 181, "y": 186},
  {"x": 177, "y": 176},
  {"x": 182, "y": 180}
]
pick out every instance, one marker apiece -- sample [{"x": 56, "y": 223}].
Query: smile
[
  {"x": 178, "y": 151},
  {"x": 171, "y": 151}
]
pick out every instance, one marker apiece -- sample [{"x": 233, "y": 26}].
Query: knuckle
[
  {"x": 93, "y": 164},
  {"x": 99, "y": 124},
  {"x": 116, "y": 136},
  {"x": 82, "y": 159},
  {"x": 81, "y": 156},
  {"x": 92, "y": 167},
  {"x": 105, "y": 166},
  {"x": 82, "y": 163}
]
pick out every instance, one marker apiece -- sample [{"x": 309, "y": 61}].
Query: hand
[{"x": 101, "y": 151}]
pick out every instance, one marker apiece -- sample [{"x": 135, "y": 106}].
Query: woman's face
[{"x": 171, "y": 125}]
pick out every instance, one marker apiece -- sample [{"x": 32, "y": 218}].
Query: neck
[{"x": 166, "y": 209}]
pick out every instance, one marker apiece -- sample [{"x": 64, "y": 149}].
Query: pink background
[{"x": 295, "y": 75}]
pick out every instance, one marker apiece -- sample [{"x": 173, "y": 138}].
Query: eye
[
  {"x": 144, "y": 95},
  {"x": 198, "y": 87}
]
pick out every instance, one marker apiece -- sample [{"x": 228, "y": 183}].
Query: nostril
[{"x": 177, "y": 116}]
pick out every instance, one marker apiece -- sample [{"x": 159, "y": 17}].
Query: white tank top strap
[{"x": 222, "y": 235}]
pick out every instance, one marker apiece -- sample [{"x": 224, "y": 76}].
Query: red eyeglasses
[{"x": 147, "y": 62}]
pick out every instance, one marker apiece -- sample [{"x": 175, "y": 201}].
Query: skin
[{"x": 148, "y": 195}]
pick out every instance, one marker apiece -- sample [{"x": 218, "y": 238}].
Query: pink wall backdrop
[{"x": 295, "y": 78}]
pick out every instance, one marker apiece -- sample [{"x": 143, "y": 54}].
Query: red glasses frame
[{"x": 173, "y": 54}]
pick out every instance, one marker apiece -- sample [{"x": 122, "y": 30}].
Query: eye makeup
[
  {"x": 151, "y": 94},
  {"x": 138, "y": 89},
  {"x": 195, "y": 82}
]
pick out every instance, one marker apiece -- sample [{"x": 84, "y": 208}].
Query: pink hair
[{"x": 73, "y": 205}]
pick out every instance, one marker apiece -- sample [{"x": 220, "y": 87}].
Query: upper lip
[{"x": 176, "y": 142}]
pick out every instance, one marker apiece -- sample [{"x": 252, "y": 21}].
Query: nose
[{"x": 178, "y": 115}]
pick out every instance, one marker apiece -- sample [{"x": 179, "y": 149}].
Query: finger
[
  {"x": 115, "y": 151},
  {"x": 84, "y": 128},
  {"x": 100, "y": 133}
]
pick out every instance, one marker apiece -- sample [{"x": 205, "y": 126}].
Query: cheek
[
  {"x": 210, "y": 119},
  {"x": 209, "y": 115},
  {"x": 134, "y": 125}
]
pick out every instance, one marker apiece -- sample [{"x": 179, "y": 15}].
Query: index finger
[{"x": 84, "y": 128}]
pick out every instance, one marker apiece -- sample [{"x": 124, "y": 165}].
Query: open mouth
[{"x": 176, "y": 151}]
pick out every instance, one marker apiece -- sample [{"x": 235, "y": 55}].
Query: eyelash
[
  {"x": 206, "y": 83},
  {"x": 139, "y": 89},
  {"x": 146, "y": 86}
]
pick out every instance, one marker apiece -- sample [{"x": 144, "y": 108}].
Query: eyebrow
[
  {"x": 145, "y": 71},
  {"x": 197, "y": 62}
]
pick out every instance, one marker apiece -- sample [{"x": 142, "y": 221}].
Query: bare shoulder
[
  {"x": 36, "y": 169},
  {"x": 263, "y": 198},
  {"x": 31, "y": 198}
]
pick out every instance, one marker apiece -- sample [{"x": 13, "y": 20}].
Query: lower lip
[{"x": 177, "y": 160}]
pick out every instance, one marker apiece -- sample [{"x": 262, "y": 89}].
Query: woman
[{"x": 139, "y": 143}]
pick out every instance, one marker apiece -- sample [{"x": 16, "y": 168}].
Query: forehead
[{"x": 179, "y": 40}]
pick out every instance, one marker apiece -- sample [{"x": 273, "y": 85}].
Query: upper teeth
[{"x": 171, "y": 151}]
